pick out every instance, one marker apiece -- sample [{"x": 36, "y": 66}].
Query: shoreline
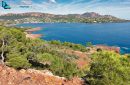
[
  {"x": 127, "y": 21},
  {"x": 29, "y": 33},
  {"x": 106, "y": 47}
]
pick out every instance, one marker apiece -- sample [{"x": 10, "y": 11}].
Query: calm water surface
[{"x": 113, "y": 34}]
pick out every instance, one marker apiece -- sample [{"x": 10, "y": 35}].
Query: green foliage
[
  {"x": 18, "y": 18},
  {"x": 5, "y": 35},
  {"x": 75, "y": 46},
  {"x": 55, "y": 42},
  {"x": 18, "y": 62},
  {"x": 69, "y": 45},
  {"x": 70, "y": 70},
  {"x": 109, "y": 68},
  {"x": 89, "y": 44},
  {"x": 45, "y": 58},
  {"x": 59, "y": 66},
  {"x": 128, "y": 56},
  {"x": 20, "y": 36}
]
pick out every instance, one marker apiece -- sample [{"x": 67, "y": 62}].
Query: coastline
[
  {"x": 106, "y": 47},
  {"x": 13, "y": 24},
  {"x": 121, "y": 50},
  {"x": 29, "y": 33}
]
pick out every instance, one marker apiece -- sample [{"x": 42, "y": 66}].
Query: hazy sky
[{"x": 118, "y": 8}]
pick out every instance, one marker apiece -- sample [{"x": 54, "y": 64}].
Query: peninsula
[{"x": 29, "y": 33}]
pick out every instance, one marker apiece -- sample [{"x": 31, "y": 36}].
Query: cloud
[
  {"x": 26, "y": 2},
  {"x": 119, "y": 8},
  {"x": 52, "y": 1}
]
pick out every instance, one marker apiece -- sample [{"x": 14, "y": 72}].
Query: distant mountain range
[
  {"x": 89, "y": 17},
  {"x": 38, "y": 14}
]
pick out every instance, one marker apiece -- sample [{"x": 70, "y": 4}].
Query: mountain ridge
[
  {"x": 86, "y": 14},
  {"x": 36, "y": 17}
]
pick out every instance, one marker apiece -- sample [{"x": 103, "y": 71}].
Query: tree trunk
[{"x": 2, "y": 54}]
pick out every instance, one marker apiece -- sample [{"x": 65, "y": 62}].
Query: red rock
[
  {"x": 33, "y": 30},
  {"x": 109, "y": 48},
  {"x": 10, "y": 76}
]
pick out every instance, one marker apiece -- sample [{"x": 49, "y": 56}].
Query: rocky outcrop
[
  {"x": 10, "y": 76},
  {"x": 108, "y": 48},
  {"x": 33, "y": 30},
  {"x": 33, "y": 36}
]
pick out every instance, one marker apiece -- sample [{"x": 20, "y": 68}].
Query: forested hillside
[
  {"x": 89, "y": 17},
  {"x": 63, "y": 58}
]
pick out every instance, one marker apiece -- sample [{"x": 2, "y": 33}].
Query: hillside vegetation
[
  {"x": 103, "y": 67},
  {"x": 19, "y": 52},
  {"x": 89, "y": 17}
]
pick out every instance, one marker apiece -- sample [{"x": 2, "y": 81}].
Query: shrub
[
  {"x": 45, "y": 58},
  {"x": 19, "y": 35},
  {"x": 70, "y": 70},
  {"x": 108, "y": 68},
  {"x": 89, "y": 44},
  {"x": 58, "y": 65},
  {"x": 55, "y": 42},
  {"x": 18, "y": 62}
]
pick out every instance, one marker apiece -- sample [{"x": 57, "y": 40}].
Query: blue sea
[{"x": 112, "y": 34}]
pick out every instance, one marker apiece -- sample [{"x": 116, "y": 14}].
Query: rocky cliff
[{"x": 10, "y": 76}]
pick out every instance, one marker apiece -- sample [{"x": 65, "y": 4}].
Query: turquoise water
[{"x": 112, "y": 34}]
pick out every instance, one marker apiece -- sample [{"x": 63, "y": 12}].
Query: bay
[{"x": 112, "y": 34}]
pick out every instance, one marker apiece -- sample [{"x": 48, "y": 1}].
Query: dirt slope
[{"x": 10, "y": 76}]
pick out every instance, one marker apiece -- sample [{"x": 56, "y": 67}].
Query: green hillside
[
  {"x": 102, "y": 67},
  {"x": 44, "y": 17}
]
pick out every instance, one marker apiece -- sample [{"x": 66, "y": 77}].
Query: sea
[{"x": 111, "y": 34}]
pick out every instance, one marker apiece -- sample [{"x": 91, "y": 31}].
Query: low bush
[
  {"x": 109, "y": 68},
  {"x": 18, "y": 62}
]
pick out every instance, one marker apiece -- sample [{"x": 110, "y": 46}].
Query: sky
[{"x": 118, "y": 8}]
